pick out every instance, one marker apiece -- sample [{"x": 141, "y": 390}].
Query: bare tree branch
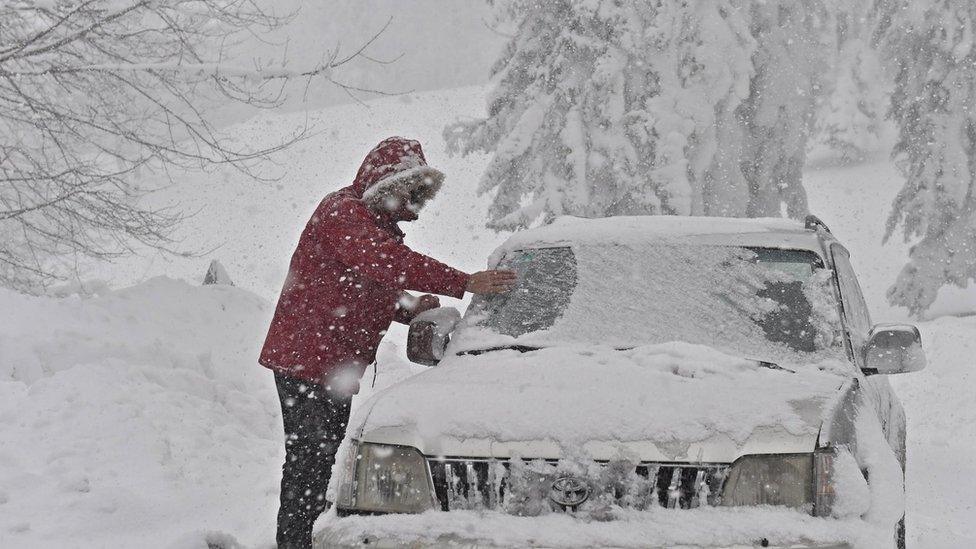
[{"x": 97, "y": 94}]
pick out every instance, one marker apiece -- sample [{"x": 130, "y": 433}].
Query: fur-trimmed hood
[{"x": 396, "y": 165}]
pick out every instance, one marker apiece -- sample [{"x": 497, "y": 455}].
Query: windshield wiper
[
  {"x": 772, "y": 365},
  {"x": 519, "y": 348},
  {"x": 527, "y": 348}
]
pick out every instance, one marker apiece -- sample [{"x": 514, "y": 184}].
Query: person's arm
[{"x": 359, "y": 244}]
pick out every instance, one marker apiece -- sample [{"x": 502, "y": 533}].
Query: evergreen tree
[
  {"x": 699, "y": 107},
  {"x": 779, "y": 112},
  {"x": 933, "y": 45},
  {"x": 851, "y": 111},
  {"x": 718, "y": 49},
  {"x": 605, "y": 109}
]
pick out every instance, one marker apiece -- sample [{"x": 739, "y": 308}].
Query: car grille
[{"x": 523, "y": 487}]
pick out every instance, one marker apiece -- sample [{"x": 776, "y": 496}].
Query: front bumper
[
  {"x": 325, "y": 541},
  {"x": 704, "y": 528}
]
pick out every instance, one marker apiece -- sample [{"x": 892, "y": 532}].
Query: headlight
[
  {"x": 388, "y": 479},
  {"x": 783, "y": 479}
]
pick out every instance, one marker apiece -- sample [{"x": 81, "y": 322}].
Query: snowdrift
[
  {"x": 135, "y": 415},
  {"x": 140, "y": 418}
]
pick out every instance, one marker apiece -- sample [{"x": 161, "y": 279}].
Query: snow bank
[
  {"x": 140, "y": 418},
  {"x": 135, "y": 415},
  {"x": 941, "y": 416},
  {"x": 163, "y": 323}
]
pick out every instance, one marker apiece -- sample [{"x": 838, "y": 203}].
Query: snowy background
[
  {"x": 138, "y": 415},
  {"x": 132, "y": 410}
]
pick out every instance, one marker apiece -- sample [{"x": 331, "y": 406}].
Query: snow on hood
[{"x": 670, "y": 394}]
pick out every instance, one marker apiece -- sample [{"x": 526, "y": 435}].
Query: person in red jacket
[{"x": 347, "y": 282}]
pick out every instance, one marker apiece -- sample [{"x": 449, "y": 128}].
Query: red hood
[{"x": 392, "y": 161}]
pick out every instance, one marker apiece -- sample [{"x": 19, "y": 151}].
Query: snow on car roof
[{"x": 728, "y": 231}]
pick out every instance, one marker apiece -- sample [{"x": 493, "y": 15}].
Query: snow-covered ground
[
  {"x": 942, "y": 436},
  {"x": 137, "y": 416}
]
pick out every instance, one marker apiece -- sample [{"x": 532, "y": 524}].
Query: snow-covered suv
[{"x": 652, "y": 381}]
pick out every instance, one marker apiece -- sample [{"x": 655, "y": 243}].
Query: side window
[{"x": 856, "y": 313}]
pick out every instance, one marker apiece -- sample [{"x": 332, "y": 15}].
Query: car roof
[{"x": 719, "y": 231}]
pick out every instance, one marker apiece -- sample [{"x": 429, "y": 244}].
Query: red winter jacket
[{"x": 349, "y": 270}]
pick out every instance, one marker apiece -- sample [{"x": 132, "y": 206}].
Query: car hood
[{"x": 670, "y": 402}]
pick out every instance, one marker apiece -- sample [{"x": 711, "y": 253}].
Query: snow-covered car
[{"x": 652, "y": 381}]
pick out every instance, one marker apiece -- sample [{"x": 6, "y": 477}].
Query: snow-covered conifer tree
[
  {"x": 851, "y": 121},
  {"x": 779, "y": 113},
  {"x": 933, "y": 45},
  {"x": 605, "y": 109},
  {"x": 710, "y": 81},
  {"x": 851, "y": 114}
]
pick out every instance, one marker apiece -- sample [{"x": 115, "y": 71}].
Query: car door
[{"x": 857, "y": 319}]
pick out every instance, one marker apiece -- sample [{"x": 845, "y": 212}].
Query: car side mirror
[
  {"x": 893, "y": 349},
  {"x": 429, "y": 334}
]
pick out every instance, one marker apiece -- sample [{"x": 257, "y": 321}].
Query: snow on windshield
[{"x": 766, "y": 304}]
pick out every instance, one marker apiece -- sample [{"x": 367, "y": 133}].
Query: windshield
[{"x": 762, "y": 303}]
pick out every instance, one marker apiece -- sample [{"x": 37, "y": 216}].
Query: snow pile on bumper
[{"x": 653, "y": 528}]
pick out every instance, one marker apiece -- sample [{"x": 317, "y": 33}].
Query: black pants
[{"x": 315, "y": 423}]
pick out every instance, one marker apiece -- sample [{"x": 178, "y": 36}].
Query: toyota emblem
[{"x": 569, "y": 491}]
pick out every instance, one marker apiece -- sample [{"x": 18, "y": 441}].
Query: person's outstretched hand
[{"x": 491, "y": 282}]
